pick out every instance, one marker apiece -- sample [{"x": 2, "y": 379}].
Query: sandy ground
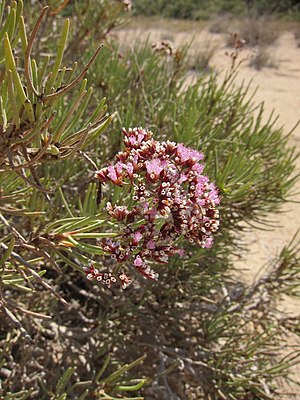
[{"x": 279, "y": 89}]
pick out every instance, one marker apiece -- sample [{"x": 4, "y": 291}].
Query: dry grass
[
  {"x": 297, "y": 34},
  {"x": 220, "y": 24},
  {"x": 263, "y": 59},
  {"x": 200, "y": 60},
  {"x": 174, "y": 25},
  {"x": 260, "y": 31},
  {"x": 257, "y": 31}
]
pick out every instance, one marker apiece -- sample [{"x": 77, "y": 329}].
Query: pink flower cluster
[{"x": 170, "y": 199}]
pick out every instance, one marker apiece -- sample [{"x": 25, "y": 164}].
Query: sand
[{"x": 279, "y": 89}]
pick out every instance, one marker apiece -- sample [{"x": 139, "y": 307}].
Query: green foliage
[
  {"x": 204, "y": 334},
  {"x": 200, "y": 9},
  {"x": 38, "y": 127}
]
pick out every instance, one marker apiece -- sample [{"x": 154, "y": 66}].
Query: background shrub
[{"x": 199, "y": 9}]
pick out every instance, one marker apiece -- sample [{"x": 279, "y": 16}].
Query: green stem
[
  {"x": 23, "y": 35},
  {"x": 65, "y": 202},
  {"x": 94, "y": 235},
  {"x": 3, "y": 117},
  {"x": 8, "y": 250},
  {"x": 11, "y": 96},
  {"x": 131, "y": 388},
  {"x": 11, "y": 65},
  {"x": 60, "y": 53}
]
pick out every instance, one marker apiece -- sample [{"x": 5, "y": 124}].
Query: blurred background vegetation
[
  {"x": 202, "y": 9},
  {"x": 198, "y": 333}
]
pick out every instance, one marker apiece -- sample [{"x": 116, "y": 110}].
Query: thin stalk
[
  {"x": 12, "y": 24},
  {"x": 65, "y": 202},
  {"x": 27, "y": 66},
  {"x": 8, "y": 250},
  {"x": 3, "y": 117},
  {"x": 18, "y": 324},
  {"x": 11, "y": 65},
  {"x": 22, "y": 33},
  {"x": 60, "y": 53},
  {"x": 12, "y": 100}
]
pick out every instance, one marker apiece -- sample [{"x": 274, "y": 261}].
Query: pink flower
[
  {"x": 183, "y": 178},
  {"x": 196, "y": 155},
  {"x": 172, "y": 199},
  {"x": 207, "y": 243},
  {"x": 134, "y": 137},
  {"x": 150, "y": 244},
  {"x": 138, "y": 262},
  {"x": 187, "y": 154},
  {"x": 181, "y": 252},
  {"x": 152, "y": 214},
  {"x": 112, "y": 173},
  {"x": 183, "y": 152},
  {"x": 129, "y": 168},
  {"x": 198, "y": 168},
  {"x": 154, "y": 168},
  {"x": 136, "y": 238}
]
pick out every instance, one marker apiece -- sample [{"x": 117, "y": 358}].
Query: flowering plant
[{"x": 171, "y": 199}]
